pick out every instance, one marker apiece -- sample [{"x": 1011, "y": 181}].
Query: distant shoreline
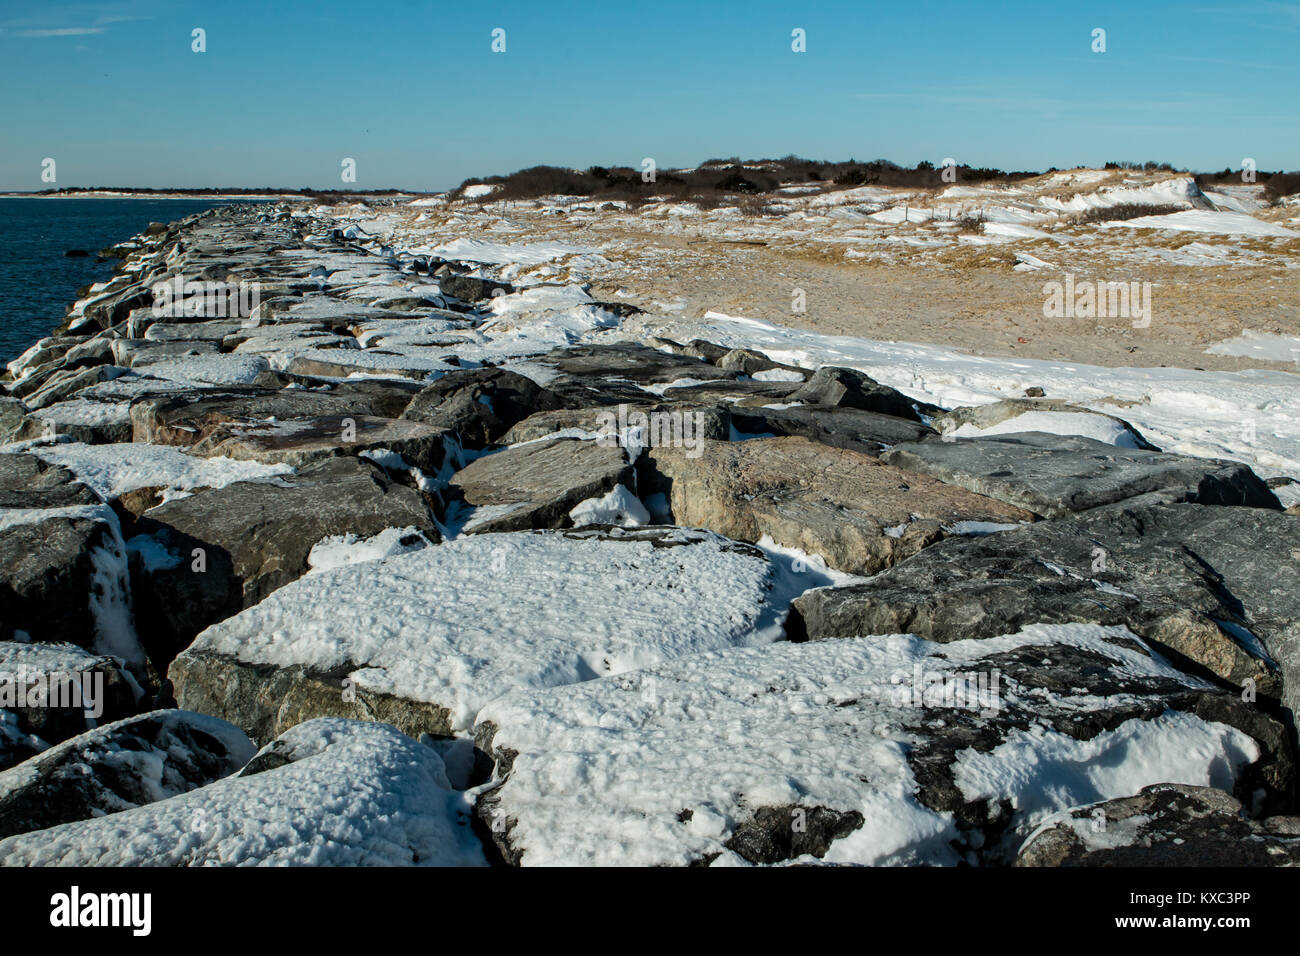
[
  {"x": 199, "y": 194},
  {"x": 190, "y": 196}
]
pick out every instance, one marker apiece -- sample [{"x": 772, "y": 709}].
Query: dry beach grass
[{"x": 942, "y": 282}]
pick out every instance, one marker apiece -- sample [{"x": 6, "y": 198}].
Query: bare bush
[
  {"x": 1282, "y": 184},
  {"x": 722, "y": 176},
  {"x": 1128, "y": 210}
]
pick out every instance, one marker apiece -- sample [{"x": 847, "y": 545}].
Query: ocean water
[{"x": 37, "y": 282}]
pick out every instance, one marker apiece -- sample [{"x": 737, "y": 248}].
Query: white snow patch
[
  {"x": 113, "y": 470},
  {"x": 1260, "y": 345},
  {"x": 1205, "y": 220},
  {"x": 1097, "y": 427},
  {"x": 338, "y": 551},
  {"x": 619, "y": 507}
]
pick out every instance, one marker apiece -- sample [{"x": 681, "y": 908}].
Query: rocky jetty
[{"x": 317, "y": 552}]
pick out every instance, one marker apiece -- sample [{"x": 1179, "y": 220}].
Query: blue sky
[{"x": 412, "y": 91}]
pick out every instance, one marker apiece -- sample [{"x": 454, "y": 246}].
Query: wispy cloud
[
  {"x": 60, "y": 32},
  {"x": 76, "y": 21}
]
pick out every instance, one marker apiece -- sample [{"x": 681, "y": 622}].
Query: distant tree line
[
  {"x": 221, "y": 190},
  {"x": 719, "y": 181}
]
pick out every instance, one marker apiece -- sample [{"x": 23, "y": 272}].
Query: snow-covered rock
[
  {"x": 50, "y": 692},
  {"x": 1165, "y": 825},
  {"x": 121, "y": 765},
  {"x": 327, "y": 793},
  {"x": 423, "y": 640},
  {"x": 205, "y": 556},
  {"x": 65, "y": 579},
  {"x": 848, "y": 751}
]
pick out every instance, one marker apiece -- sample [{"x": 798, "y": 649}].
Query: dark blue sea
[{"x": 37, "y": 282}]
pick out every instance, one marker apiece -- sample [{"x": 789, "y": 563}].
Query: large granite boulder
[
  {"x": 422, "y": 640},
  {"x": 858, "y": 514},
  {"x": 850, "y": 388},
  {"x": 1054, "y": 475},
  {"x": 63, "y": 578},
  {"x": 880, "y": 750},
  {"x": 1216, "y": 588},
  {"x": 50, "y": 692},
  {"x": 11, "y": 415},
  {"x": 204, "y": 557},
  {"x": 536, "y": 485},
  {"x": 479, "y": 405},
  {"x": 472, "y": 288}
]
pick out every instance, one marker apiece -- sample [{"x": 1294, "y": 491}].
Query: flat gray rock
[
  {"x": 1054, "y": 475},
  {"x": 65, "y": 383},
  {"x": 300, "y": 441},
  {"x": 706, "y": 421},
  {"x": 1217, "y": 588},
  {"x": 738, "y": 392},
  {"x": 536, "y": 485},
  {"x": 188, "y": 417},
  {"x": 141, "y": 353},
  {"x": 853, "y": 428},
  {"x": 631, "y": 362},
  {"x": 93, "y": 423},
  {"x": 28, "y": 482}
]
